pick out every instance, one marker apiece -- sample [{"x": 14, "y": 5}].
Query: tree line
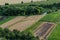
[
  {"x": 6, "y": 34},
  {"x": 15, "y": 11},
  {"x": 31, "y": 9}
]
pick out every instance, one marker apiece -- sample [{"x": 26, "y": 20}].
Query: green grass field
[
  {"x": 53, "y": 17},
  {"x": 55, "y": 35}
]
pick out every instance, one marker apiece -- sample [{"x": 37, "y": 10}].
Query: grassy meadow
[
  {"x": 55, "y": 18},
  {"x": 52, "y": 17},
  {"x": 55, "y": 35}
]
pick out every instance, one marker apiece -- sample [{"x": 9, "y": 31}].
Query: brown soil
[
  {"x": 7, "y": 24},
  {"x": 27, "y": 23},
  {"x": 44, "y": 30},
  {"x": 21, "y": 22}
]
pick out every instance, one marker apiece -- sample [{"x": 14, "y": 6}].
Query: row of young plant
[{"x": 31, "y": 9}]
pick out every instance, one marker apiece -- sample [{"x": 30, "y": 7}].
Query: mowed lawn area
[{"x": 53, "y": 17}]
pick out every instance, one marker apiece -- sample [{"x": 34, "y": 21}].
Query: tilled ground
[
  {"x": 21, "y": 22},
  {"x": 26, "y": 23},
  {"x": 13, "y": 21},
  {"x": 44, "y": 30}
]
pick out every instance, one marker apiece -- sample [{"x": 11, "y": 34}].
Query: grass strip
[
  {"x": 6, "y": 20},
  {"x": 55, "y": 35}
]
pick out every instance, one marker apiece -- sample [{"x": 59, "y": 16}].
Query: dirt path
[
  {"x": 44, "y": 30},
  {"x": 11, "y": 22},
  {"x": 2, "y": 2}
]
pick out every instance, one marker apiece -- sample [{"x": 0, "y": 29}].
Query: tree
[
  {"x": 31, "y": 1},
  {"x": 16, "y": 35},
  {"x": 6, "y": 3},
  {"x": 22, "y": 2},
  {"x": 29, "y": 10}
]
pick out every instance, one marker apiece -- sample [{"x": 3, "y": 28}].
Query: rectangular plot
[{"x": 44, "y": 30}]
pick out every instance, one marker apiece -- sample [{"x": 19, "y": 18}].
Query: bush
[{"x": 6, "y": 3}]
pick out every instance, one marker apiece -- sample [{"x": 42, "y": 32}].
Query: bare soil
[
  {"x": 26, "y": 23},
  {"x": 7, "y": 24},
  {"x": 21, "y": 22},
  {"x": 44, "y": 30}
]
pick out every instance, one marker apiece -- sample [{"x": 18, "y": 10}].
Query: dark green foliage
[
  {"x": 31, "y": 9},
  {"x": 31, "y": 1},
  {"x": 6, "y": 3},
  {"x": 16, "y": 35},
  {"x": 22, "y": 2}
]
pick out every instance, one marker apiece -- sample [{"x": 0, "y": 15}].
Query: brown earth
[
  {"x": 17, "y": 19},
  {"x": 27, "y": 23},
  {"x": 21, "y": 22},
  {"x": 44, "y": 29}
]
